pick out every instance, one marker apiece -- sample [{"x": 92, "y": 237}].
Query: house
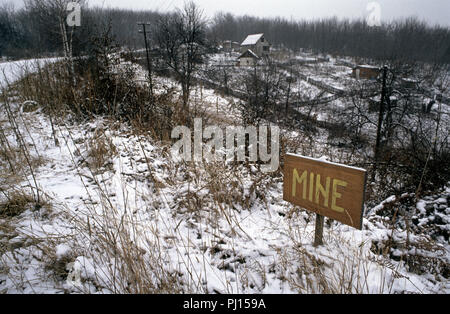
[
  {"x": 366, "y": 72},
  {"x": 257, "y": 43},
  {"x": 231, "y": 46},
  {"x": 248, "y": 58}
]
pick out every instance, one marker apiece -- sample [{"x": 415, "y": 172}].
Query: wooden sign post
[
  {"x": 328, "y": 189},
  {"x": 318, "y": 235}
]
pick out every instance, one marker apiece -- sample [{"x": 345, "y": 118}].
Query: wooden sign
[{"x": 328, "y": 189}]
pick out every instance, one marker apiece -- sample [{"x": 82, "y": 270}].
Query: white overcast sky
[{"x": 432, "y": 11}]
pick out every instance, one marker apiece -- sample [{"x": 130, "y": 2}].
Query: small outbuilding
[
  {"x": 231, "y": 46},
  {"x": 248, "y": 58},
  {"x": 366, "y": 72}
]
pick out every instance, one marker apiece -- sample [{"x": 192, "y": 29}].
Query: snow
[
  {"x": 252, "y": 39},
  {"x": 251, "y": 246},
  {"x": 174, "y": 217},
  {"x": 62, "y": 250},
  {"x": 248, "y": 54},
  {"x": 12, "y": 71},
  {"x": 324, "y": 160},
  {"x": 366, "y": 66}
]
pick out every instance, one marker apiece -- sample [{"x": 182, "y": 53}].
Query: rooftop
[
  {"x": 252, "y": 39},
  {"x": 366, "y": 66},
  {"x": 248, "y": 54}
]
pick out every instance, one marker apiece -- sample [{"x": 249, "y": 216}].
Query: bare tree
[
  {"x": 53, "y": 14},
  {"x": 181, "y": 38}
]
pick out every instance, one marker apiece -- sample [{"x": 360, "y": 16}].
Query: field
[{"x": 98, "y": 204}]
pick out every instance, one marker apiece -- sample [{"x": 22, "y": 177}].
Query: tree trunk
[{"x": 377, "y": 148}]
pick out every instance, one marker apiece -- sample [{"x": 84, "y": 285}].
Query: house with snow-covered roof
[
  {"x": 257, "y": 43},
  {"x": 248, "y": 58}
]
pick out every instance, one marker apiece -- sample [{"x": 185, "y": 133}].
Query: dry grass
[
  {"x": 342, "y": 269},
  {"x": 100, "y": 151},
  {"x": 17, "y": 202},
  {"x": 144, "y": 263},
  {"x": 129, "y": 250},
  {"x": 128, "y": 263}
]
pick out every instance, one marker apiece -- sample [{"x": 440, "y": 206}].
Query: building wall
[
  {"x": 246, "y": 62},
  {"x": 258, "y": 48},
  {"x": 227, "y": 46},
  {"x": 263, "y": 47},
  {"x": 366, "y": 73},
  {"x": 245, "y": 48},
  {"x": 236, "y": 46}
]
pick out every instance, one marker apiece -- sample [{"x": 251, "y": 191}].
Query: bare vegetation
[{"x": 138, "y": 221}]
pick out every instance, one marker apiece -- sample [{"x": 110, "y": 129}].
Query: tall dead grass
[{"x": 129, "y": 253}]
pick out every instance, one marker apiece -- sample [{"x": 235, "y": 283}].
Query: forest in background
[{"x": 29, "y": 31}]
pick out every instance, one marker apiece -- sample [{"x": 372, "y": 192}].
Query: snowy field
[
  {"x": 12, "y": 71},
  {"x": 132, "y": 220}
]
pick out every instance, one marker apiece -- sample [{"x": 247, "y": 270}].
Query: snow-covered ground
[
  {"x": 12, "y": 71},
  {"x": 214, "y": 246},
  {"x": 130, "y": 219}
]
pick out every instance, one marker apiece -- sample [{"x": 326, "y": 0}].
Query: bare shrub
[
  {"x": 100, "y": 151},
  {"x": 17, "y": 202}
]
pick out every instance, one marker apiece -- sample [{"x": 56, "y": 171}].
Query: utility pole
[
  {"x": 289, "y": 90},
  {"x": 380, "y": 123},
  {"x": 149, "y": 64}
]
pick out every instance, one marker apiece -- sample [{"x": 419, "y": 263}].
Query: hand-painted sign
[{"x": 328, "y": 189}]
